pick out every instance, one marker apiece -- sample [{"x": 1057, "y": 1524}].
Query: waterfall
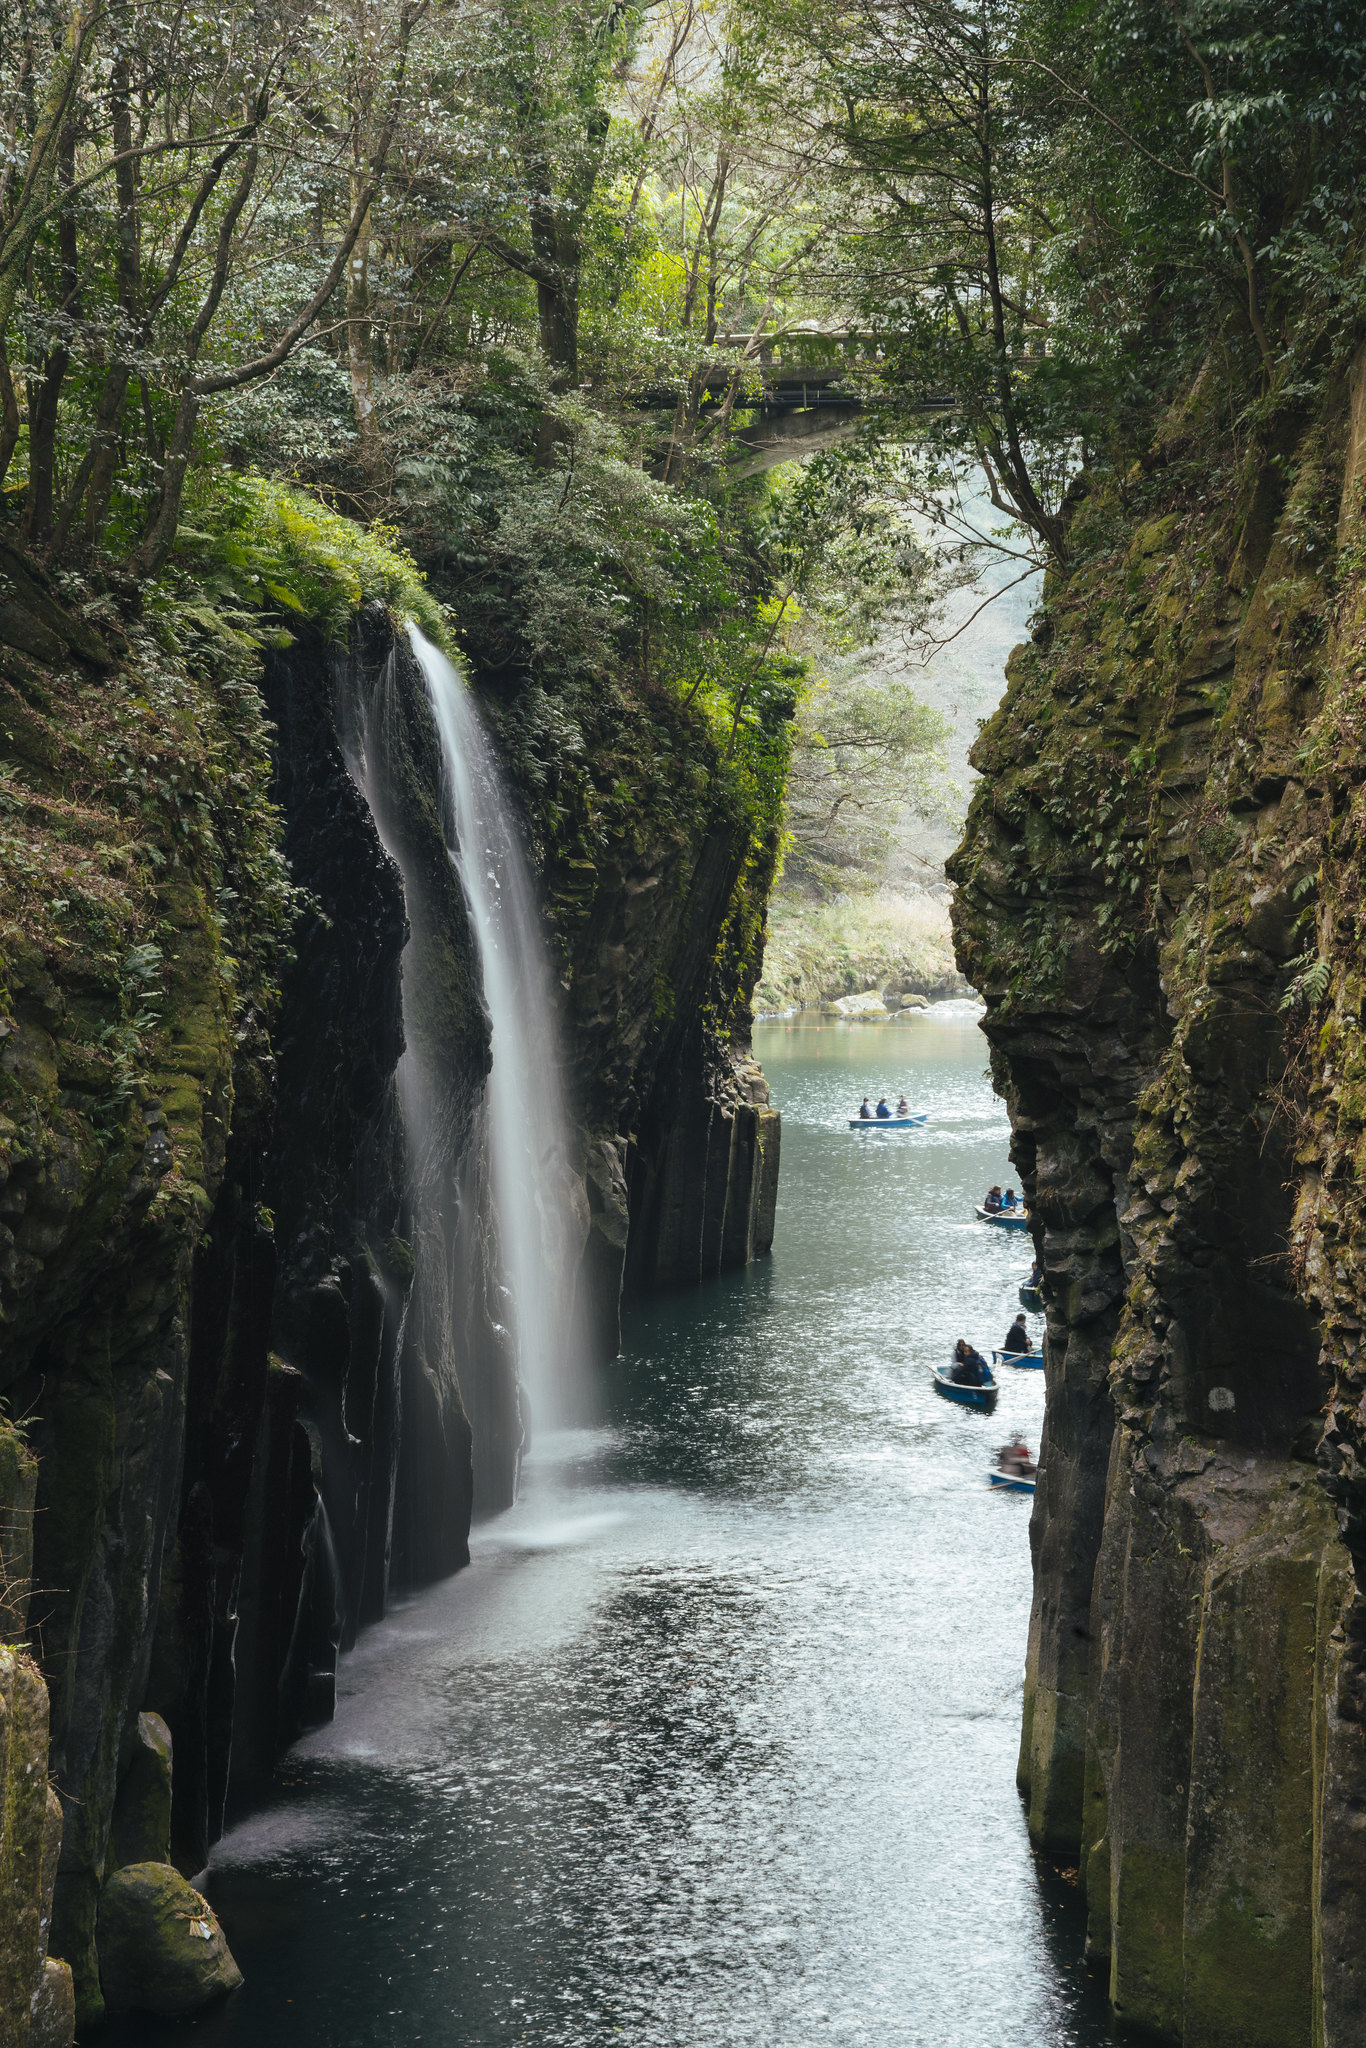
[{"x": 536, "y": 1229}]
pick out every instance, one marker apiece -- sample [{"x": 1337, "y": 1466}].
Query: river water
[{"x": 713, "y": 1744}]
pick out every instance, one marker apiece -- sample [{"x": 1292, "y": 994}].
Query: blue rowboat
[
  {"x": 1031, "y": 1298},
  {"x": 887, "y": 1123},
  {"x": 1005, "y": 1219},
  {"x": 1023, "y": 1361},
  {"x": 1010, "y": 1482},
  {"x": 966, "y": 1397}
]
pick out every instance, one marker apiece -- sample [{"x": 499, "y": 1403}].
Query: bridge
[{"x": 807, "y": 395}]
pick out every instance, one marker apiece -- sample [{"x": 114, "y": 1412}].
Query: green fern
[{"x": 254, "y": 553}]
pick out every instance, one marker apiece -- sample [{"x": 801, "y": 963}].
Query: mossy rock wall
[
  {"x": 206, "y": 1255},
  {"x": 30, "y": 1839},
  {"x": 1159, "y": 898},
  {"x": 140, "y": 930}
]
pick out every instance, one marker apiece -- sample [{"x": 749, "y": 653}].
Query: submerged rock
[{"x": 161, "y": 1948}]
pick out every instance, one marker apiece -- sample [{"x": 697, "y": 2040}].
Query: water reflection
[{"x": 714, "y": 1742}]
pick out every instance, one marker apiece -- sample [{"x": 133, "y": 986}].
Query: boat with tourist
[
  {"x": 1006, "y": 1209},
  {"x": 1016, "y": 1471},
  {"x": 1010, "y": 1482},
  {"x": 1004, "y": 1219},
  {"x": 967, "y": 1378},
  {"x": 888, "y": 1123},
  {"x": 885, "y": 1118},
  {"x": 1023, "y": 1361},
  {"x": 984, "y": 1397}
]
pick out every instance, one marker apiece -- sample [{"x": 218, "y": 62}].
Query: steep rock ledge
[{"x": 1158, "y": 897}]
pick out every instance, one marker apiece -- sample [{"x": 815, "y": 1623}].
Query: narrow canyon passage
[{"x": 714, "y": 1742}]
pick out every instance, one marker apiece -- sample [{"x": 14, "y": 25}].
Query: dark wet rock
[
  {"x": 699, "y": 1162},
  {"x": 161, "y": 1948},
  {"x": 244, "y": 1199},
  {"x": 142, "y": 1812}
]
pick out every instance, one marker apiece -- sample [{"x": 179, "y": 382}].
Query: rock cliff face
[
  {"x": 681, "y": 1142},
  {"x": 1159, "y": 898},
  {"x": 247, "y": 1324},
  {"x": 658, "y": 853}
]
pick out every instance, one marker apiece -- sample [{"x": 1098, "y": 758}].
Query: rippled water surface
[{"x": 714, "y": 1743}]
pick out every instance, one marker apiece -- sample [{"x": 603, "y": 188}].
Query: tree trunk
[
  {"x": 558, "y": 259},
  {"x": 18, "y": 234},
  {"x": 105, "y": 439},
  {"x": 9, "y": 413},
  {"x": 558, "y": 311},
  {"x": 160, "y": 535},
  {"x": 360, "y": 337},
  {"x": 44, "y": 405}
]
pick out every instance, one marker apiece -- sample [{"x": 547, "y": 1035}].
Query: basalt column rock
[
  {"x": 682, "y": 1143},
  {"x": 705, "y": 1201},
  {"x": 107, "y": 1366},
  {"x": 129, "y": 1032},
  {"x": 1159, "y": 900},
  {"x": 362, "y": 1456},
  {"x": 326, "y": 1439}
]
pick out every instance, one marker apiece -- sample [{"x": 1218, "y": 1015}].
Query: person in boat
[
  {"x": 1014, "y": 1460},
  {"x": 882, "y": 1108},
  {"x": 865, "y": 1114},
  {"x": 969, "y": 1368},
  {"x": 1009, "y": 1200},
  {"x": 1035, "y": 1279},
  {"x": 903, "y": 1108},
  {"x": 992, "y": 1204},
  {"x": 1018, "y": 1340}
]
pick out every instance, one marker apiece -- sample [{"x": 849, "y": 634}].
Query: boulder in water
[
  {"x": 869, "y": 1004},
  {"x": 160, "y": 1945}
]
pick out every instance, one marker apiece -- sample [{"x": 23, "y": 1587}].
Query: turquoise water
[{"x": 713, "y": 1745}]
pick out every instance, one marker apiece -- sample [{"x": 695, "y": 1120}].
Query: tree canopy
[{"x": 516, "y": 278}]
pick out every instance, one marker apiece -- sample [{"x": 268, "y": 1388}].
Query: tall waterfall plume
[{"x": 538, "y": 1231}]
